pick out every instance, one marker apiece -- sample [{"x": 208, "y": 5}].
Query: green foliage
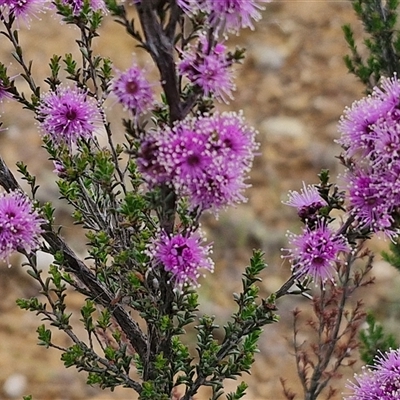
[
  {"x": 86, "y": 311},
  {"x": 30, "y": 179},
  {"x": 5, "y": 80},
  {"x": 174, "y": 362},
  {"x": 393, "y": 257},
  {"x": 379, "y": 19},
  {"x": 53, "y": 80},
  {"x": 374, "y": 340},
  {"x": 239, "y": 393},
  {"x": 44, "y": 336}
]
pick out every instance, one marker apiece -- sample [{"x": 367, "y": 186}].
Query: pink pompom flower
[
  {"x": 68, "y": 114},
  {"x": 20, "y": 224},
  {"x": 133, "y": 90},
  {"x": 183, "y": 255},
  {"x": 315, "y": 252}
]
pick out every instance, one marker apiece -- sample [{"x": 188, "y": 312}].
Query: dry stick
[{"x": 74, "y": 265}]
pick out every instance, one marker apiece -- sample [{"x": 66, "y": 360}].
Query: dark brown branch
[
  {"x": 173, "y": 21},
  {"x": 161, "y": 49},
  {"x": 7, "y": 180},
  {"x": 160, "y": 45},
  {"x": 284, "y": 289},
  {"x": 99, "y": 292}
]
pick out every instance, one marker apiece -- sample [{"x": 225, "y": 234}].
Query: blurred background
[{"x": 293, "y": 87}]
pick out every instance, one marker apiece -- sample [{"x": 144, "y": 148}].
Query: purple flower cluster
[
  {"x": 315, "y": 252},
  {"x": 232, "y": 15},
  {"x": 3, "y": 91},
  {"x": 19, "y": 224},
  {"x": 183, "y": 255},
  {"x": 206, "y": 159},
  {"x": 190, "y": 6},
  {"x": 208, "y": 67},
  {"x": 23, "y": 9},
  {"x": 378, "y": 382},
  {"x": 77, "y": 5},
  {"x": 133, "y": 90},
  {"x": 226, "y": 15},
  {"x": 371, "y": 139},
  {"x": 307, "y": 202},
  {"x": 68, "y": 114}
]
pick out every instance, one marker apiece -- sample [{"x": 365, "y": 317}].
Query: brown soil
[{"x": 293, "y": 88}]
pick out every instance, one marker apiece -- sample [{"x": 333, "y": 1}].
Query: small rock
[
  {"x": 15, "y": 385},
  {"x": 328, "y": 105},
  {"x": 283, "y": 126},
  {"x": 332, "y": 131},
  {"x": 297, "y": 101},
  {"x": 268, "y": 57},
  {"x": 323, "y": 156},
  {"x": 384, "y": 272}
]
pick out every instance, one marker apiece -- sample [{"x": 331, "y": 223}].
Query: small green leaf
[{"x": 44, "y": 336}]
